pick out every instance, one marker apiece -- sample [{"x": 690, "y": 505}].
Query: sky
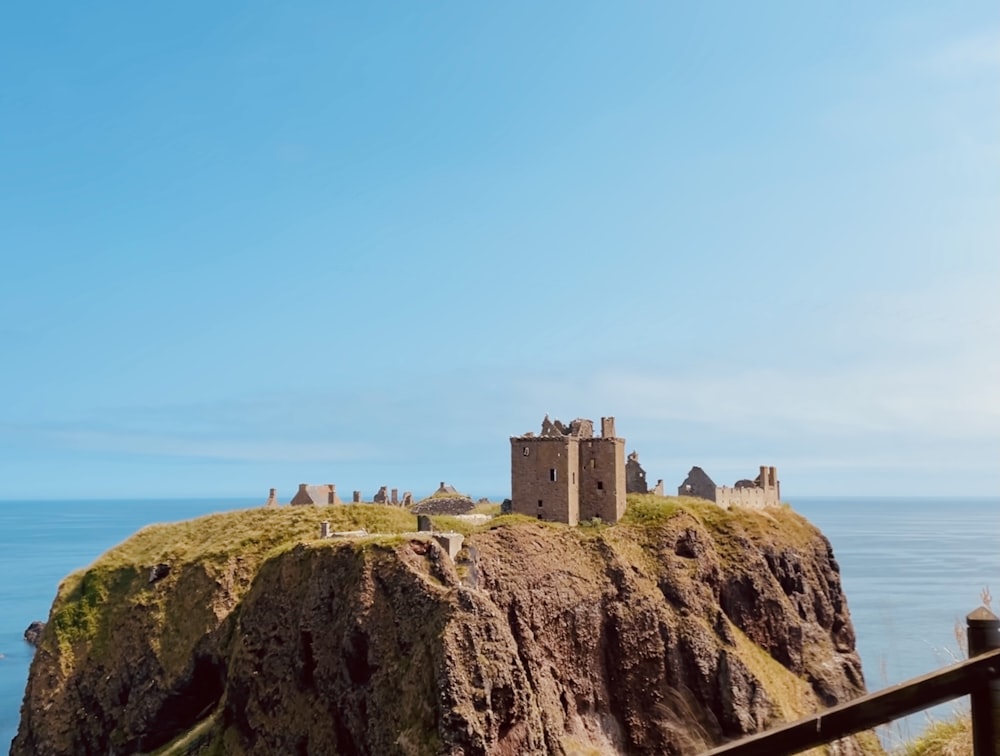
[{"x": 248, "y": 245}]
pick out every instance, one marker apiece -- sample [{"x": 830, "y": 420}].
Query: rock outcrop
[
  {"x": 33, "y": 633},
  {"x": 681, "y": 627}
]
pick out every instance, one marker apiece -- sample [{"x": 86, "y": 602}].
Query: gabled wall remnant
[
  {"x": 315, "y": 495},
  {"x": 697, "y": 483},
  {"x": 445, "y": 489}
]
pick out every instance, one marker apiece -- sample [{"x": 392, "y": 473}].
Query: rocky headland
[{"x": 680, "y": 627}]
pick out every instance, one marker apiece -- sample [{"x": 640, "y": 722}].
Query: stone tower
[{"x": 566, "y": 474}]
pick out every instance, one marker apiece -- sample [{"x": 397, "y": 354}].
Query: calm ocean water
[{"x": 912, "y": 569}]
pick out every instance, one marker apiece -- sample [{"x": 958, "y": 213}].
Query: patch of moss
[{"x": 81, "y": 610}]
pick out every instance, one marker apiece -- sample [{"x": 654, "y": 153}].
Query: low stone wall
[{"x": 747, "y": 497}]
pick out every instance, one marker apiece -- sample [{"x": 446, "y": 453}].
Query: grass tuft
[{"x": 951, "y": 737}]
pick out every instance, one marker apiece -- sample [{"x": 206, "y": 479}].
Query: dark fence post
[{"x": 984, "y": 635}]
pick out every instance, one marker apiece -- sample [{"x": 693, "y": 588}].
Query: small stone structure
[
  {"x": 315, "y": 495},
  {"x": 566, "y": 474},
  {"x": 763, "y": 491},
  {"x": 407, "y": 499},
  {"x": 381, "y": 496},
  {"x": 272, "y": 498},
  {"x": 451, "y": 543},
  {"x": 394, "y": 496},
  {"x": 356, "y": 497}
]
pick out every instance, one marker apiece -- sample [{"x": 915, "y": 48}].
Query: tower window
[
  {"x": 539, "y": 502},
  {"x": 525, "y": 451},
  {"x": 552, "y": 474},
  {"x": 593, "y": 463},
  {"x": 600, "y": 485}
]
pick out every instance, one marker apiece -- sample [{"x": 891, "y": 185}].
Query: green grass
[
  {"x": 118, "y": 578},
  {"x": 727, "y": 526}
]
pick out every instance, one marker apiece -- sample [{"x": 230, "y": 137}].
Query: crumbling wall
[
  {"x": 749, "y": 498},
  {"x": 635, "y": 476},
  {"x": 697, "y": 483}
]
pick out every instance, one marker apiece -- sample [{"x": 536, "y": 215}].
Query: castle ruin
[
  {"x": 763, "y": 491},
  {"x": 566, "y": 474}
]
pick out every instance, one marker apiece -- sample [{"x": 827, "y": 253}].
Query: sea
[{"x": 912, "y": 568}]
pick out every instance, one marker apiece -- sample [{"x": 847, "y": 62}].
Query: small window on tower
[
  {"x": 600, "y": 485},
  {"x": 552, "y": 474},
  {"x": 572, "y": 478},
  {"x": 539, "y": 502},
  {"x": 524, "y": 451},
  {"x": 593, "y": 463}
]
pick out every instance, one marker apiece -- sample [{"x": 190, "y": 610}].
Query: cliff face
[{"x": 684, "y": 626}]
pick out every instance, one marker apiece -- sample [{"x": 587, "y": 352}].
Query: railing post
[{"x": 984, "y": 635}]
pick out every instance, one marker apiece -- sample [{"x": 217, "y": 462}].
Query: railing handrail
[{"x": 870, "y": 710}]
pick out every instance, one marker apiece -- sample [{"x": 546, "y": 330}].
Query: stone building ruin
[
  {"x": 566, "y": 474},
  {"x": 635, "y": 478},
  {"x": 315, "y": 495},
  {"x": 763, "y": 491}
]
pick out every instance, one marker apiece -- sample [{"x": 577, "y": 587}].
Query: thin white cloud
[{"x": 153, "y": 444}]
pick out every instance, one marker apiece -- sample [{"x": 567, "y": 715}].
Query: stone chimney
[{"x": 607, "y": 427}]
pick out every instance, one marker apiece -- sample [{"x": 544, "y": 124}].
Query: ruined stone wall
[
  {"x": 750, "y": 498},
  {"x": 543, "y": 473},
  {"x": 697, "y": 483},
  {"x": 635, "y": 476},
  {"x": 602, "y": 479}
]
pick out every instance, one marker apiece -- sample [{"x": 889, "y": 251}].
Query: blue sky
[{"x": 248, "y": 245}]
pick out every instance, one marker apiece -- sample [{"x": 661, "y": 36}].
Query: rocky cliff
[{"x": 678, "y": 628}]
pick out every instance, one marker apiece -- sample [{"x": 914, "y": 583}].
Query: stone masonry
[
  {"x": 315, "y": 495},
  {"x": 566, "y": 474},
  {"x": 635, "y": 476},
  {"x": 763, "y": 491}
]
